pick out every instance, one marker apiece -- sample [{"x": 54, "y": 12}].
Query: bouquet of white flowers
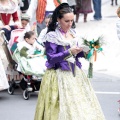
[{"x": 95, "y": 47}]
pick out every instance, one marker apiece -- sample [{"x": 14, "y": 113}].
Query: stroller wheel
[
  {"x": 26, "y": 94},
  {"x": 11, "y": 87},
  {"x": 11, "y": 90}
]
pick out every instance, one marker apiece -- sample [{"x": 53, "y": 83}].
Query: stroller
[{"x": 29, "y": 82}]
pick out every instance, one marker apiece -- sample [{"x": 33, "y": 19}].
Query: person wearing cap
[
  {"x": 42, "y": 8},
  {"x": 25, "y": 19},
  {"x": 24, "y": 25}
]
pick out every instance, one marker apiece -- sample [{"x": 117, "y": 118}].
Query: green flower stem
[{"x": 90, "y": 70}]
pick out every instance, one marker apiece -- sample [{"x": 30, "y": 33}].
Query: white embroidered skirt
[
  {"x": 65, "y": 97},
  {"x": 3, "y": 79}
]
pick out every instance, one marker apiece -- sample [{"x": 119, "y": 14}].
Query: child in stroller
[
  {"x": 31, "y": 53},
  {"x": 29, "y": 56}
]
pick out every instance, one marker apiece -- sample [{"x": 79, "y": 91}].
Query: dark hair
[
  {"x": 28, "y": 34},
  {"x": 48, "y": 16},
  {"x": 59, "y": 12}
]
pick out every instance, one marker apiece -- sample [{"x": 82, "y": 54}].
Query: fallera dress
[
  {"x": 66, "y": 92},
  {"x": 3, "y": 79}
]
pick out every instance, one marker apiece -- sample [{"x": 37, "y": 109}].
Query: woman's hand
[
  {"x": 7, "y": 27},
  {"x": 75, "y": 50}
]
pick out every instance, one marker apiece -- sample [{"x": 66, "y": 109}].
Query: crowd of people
[
  {"x": 65, "y": 92},
  {"x": 32, "y": 15}
]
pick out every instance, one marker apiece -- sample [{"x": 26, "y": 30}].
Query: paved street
[
  {"x": 107, "y": 88},
  {"x": 106, "y": 80}
]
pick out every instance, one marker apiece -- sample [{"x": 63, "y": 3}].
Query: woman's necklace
[{"x": 66, "y": 34}]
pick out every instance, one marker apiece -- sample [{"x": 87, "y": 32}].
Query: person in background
[
  {"x": 44, "y": 31},
  {"x": 40, "y": 9},
  {"x": 65, "y": 93},
  {"x": 8, "y": 16},
  {"x": 118, "y": 23},
  {"x": 97, "y": 9},
  {"x": 84, "y": 7},
  {"x": 3, "y": 79},
  {"x": 72, "y": 4},
  {"x": 114, "y": 1},
  {"x": 25, "y": 6},
  {"x": 24, "y": 25},
  {"x": 15, "y": 38},
  {"x": 29, "y": 1}
]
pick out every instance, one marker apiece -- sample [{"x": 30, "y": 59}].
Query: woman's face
[{"x": 67, "y": 21}]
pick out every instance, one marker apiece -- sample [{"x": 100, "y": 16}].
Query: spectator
[
  {"x": 97, "y": 9},
  {"x": 24, "y": 25},
  {"x": 113, "y": 1},
  {"x": 44, "y": 31},
  {"x": 118, "y": 23},
  {"x": 25, "y": 6},
  {"x": 83, "y": 7},
  {"x": 42, "y": 8},
  {"x": 72, "y": 4}
]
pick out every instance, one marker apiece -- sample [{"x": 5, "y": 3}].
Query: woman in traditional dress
[
  {"x": 3, "y": 78},
  {"x": 8, "y": 17},
  {"x": 66, "y": 92}
]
